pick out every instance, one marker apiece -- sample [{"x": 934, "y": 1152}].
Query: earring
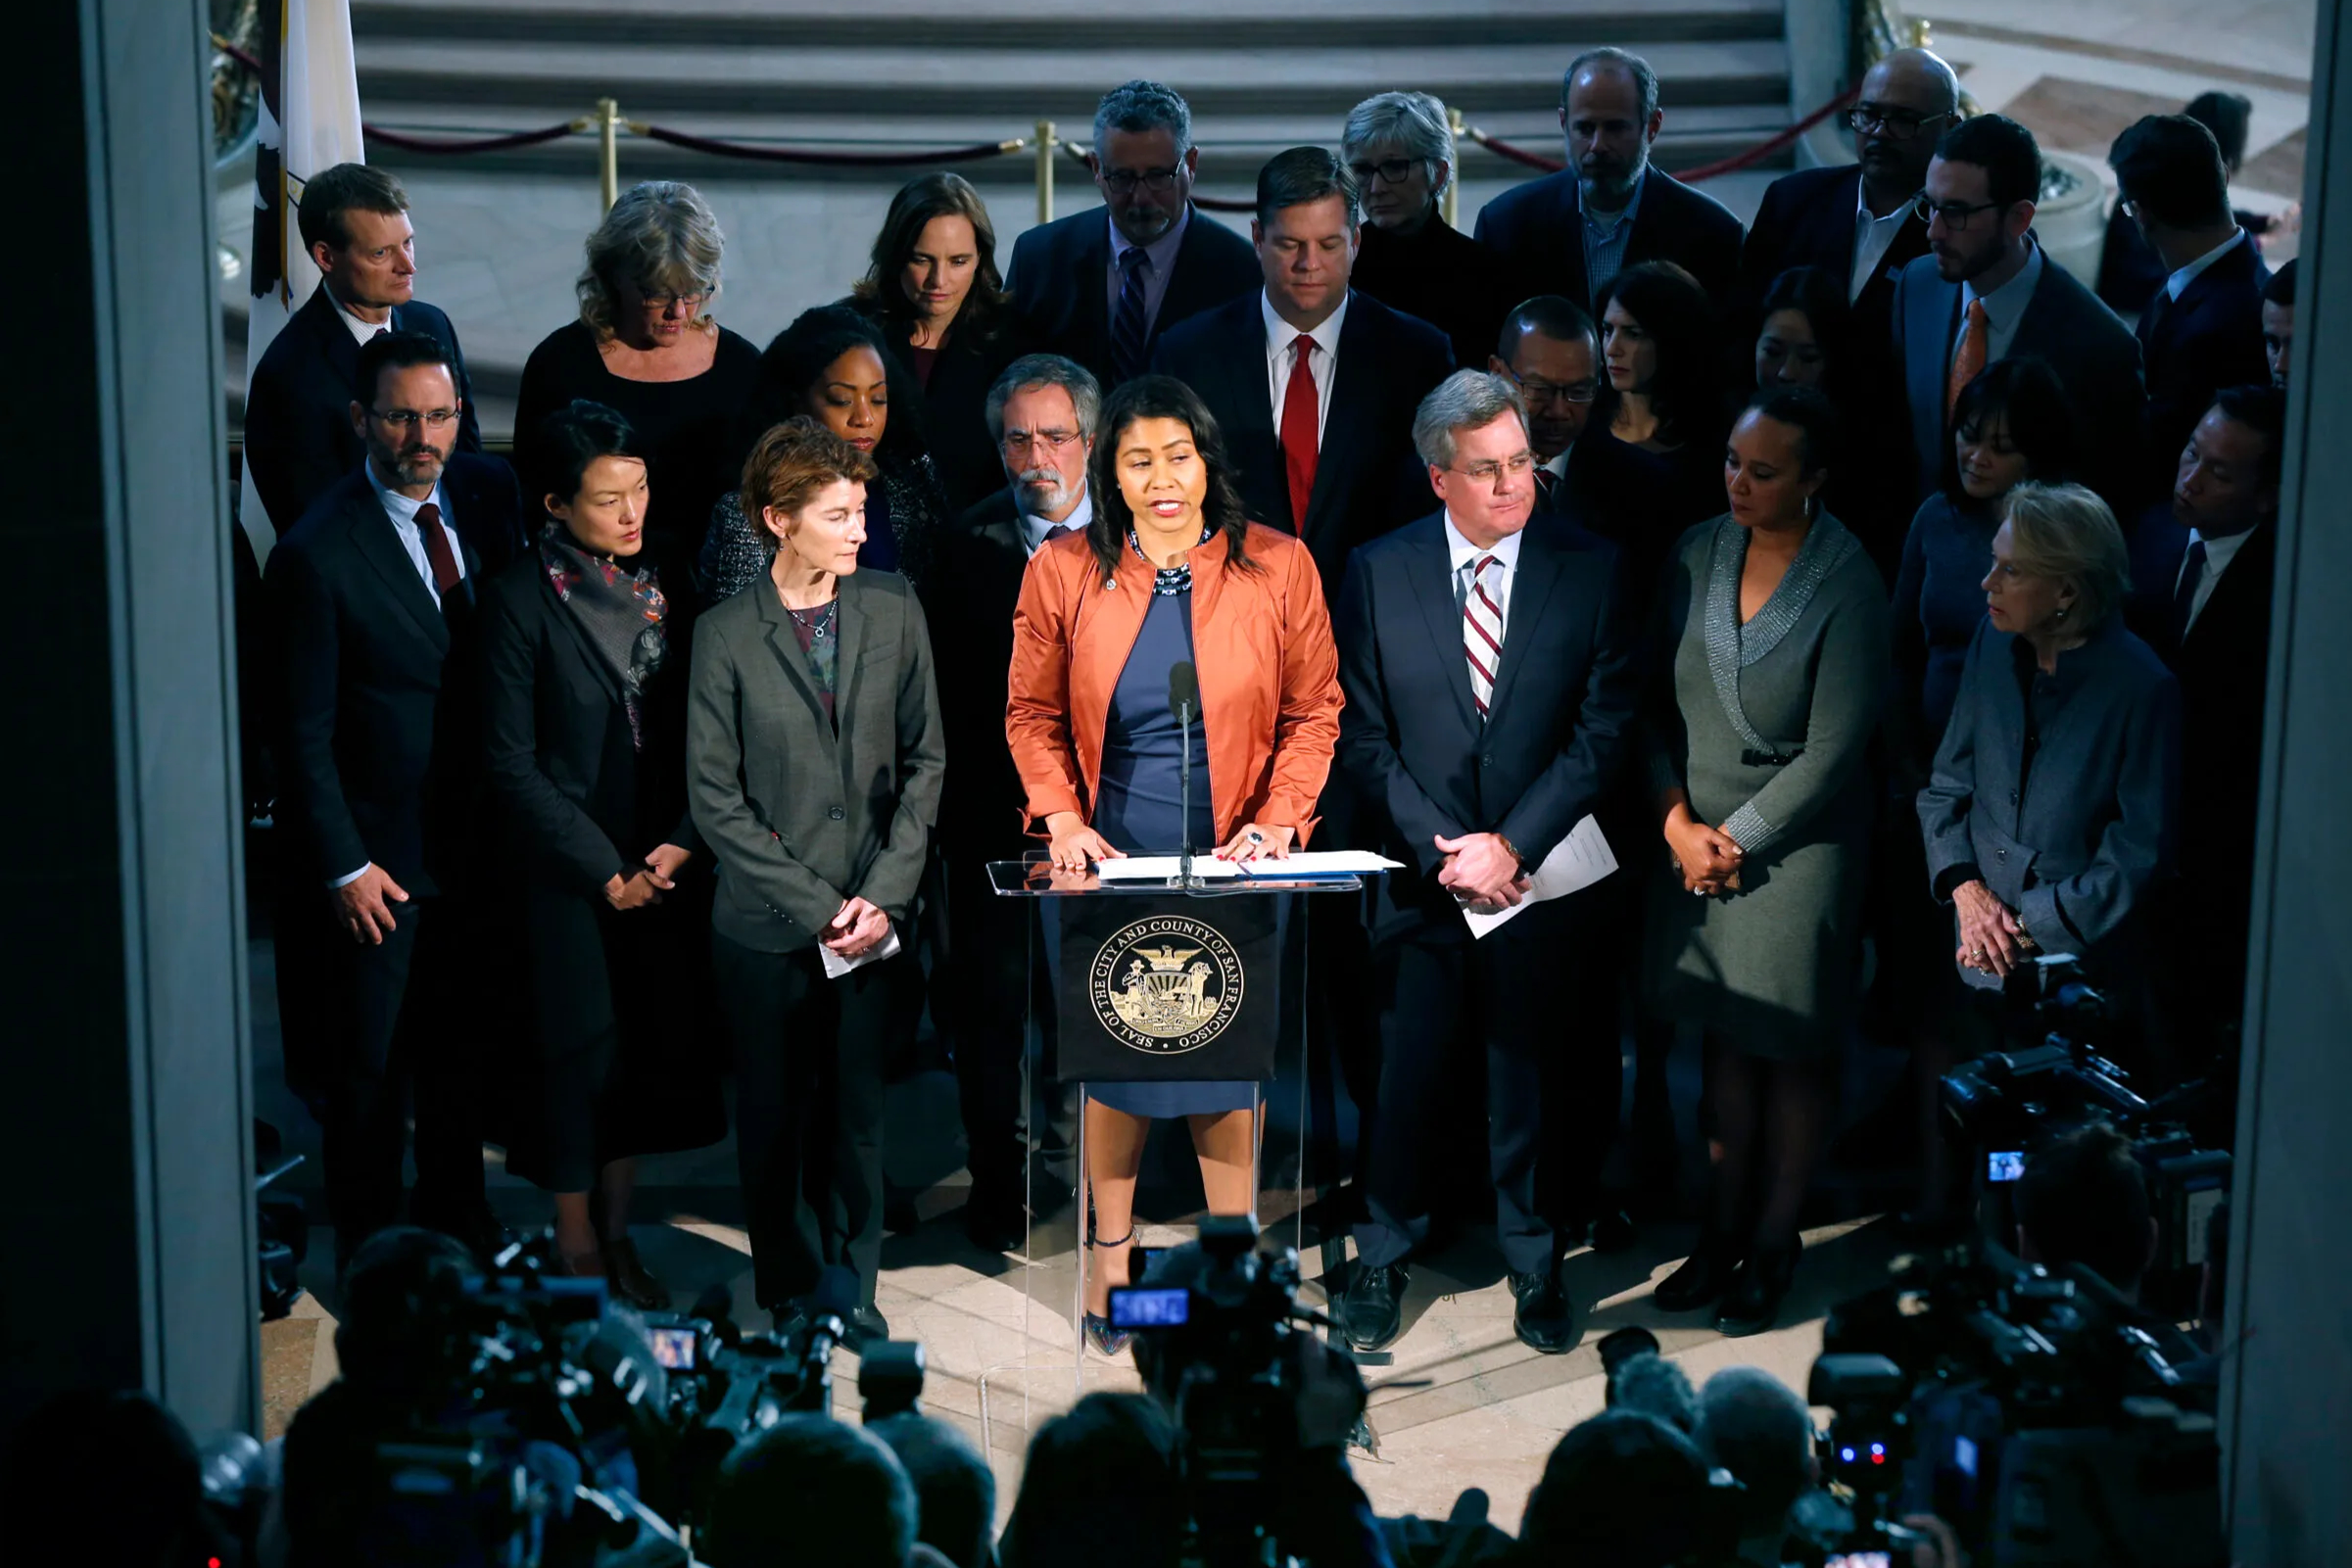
[{"x": 2061, "y": 616}]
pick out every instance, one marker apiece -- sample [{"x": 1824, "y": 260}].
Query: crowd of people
[{"x": 1898, "y": 612}]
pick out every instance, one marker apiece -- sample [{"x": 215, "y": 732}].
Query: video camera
[{"x": 2027, "y": 1408}]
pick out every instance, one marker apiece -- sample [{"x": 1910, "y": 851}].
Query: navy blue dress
[{"x": 1138, "y": 808}]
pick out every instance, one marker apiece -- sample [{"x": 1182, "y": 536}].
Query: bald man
[{"x": 1854, "y": 220}]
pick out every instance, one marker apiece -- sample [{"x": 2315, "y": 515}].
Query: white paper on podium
[
  {"x": 1575, "y": 863},
  {"x": 1159, "y": 868},
  {"x": 837, "y": 966},
  {"x": 1322, "y": 863}
]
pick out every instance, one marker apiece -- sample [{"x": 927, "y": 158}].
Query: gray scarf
[{"x": 1730, "y": 646}]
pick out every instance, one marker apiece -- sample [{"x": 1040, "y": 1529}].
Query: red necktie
[
  {"x": 437, "y": 548},
  {"x": 1300, "y": 437}
]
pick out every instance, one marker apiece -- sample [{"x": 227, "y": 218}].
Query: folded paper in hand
[
  {"x": 837, "y": 966},
  {"x": 1577, "y": 862}
]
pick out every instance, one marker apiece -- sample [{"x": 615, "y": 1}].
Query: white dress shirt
[
  {"x": 1873, "y": 237},
  {"x": 1464, "y": 557},
  {"x": 360, "y": 331},
  {"x": 2185, "y": 276},
  {"x": 2004, "y": 307},
  {"x": 2219, "y": 553},
  {"x": 403, "y": 512},
  {"x": 1034, "y": 528},
  {"x": 1323, "y": 361},
  {"x": 1162, "y": 254}
]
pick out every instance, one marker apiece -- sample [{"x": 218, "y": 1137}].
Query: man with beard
[
  {"x": 1569, "y": 233},
  {"x": 379, "y": 755},
  {"x": 1856, "y": 221},
  {"x": 1042, "y": 413},
  {"x": 1986, "y": 292},
  {"x": 1101, "y": 291}
]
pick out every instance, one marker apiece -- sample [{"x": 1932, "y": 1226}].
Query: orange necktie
[{"x": 1969, "y": 360}]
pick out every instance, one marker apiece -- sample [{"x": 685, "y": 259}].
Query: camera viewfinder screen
[
  {"x": 1149, "y": 1308},
  {"x": 674, "y": 1347},
  {"x": 2004, "y": 1165}
]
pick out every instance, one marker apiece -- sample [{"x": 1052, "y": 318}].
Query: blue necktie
[
  {"x": 1127, "y": 326},
  {"x": 2185, "y": 594}
]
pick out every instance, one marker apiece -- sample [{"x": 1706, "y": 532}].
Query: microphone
[{"x": 1184, "y": 691}]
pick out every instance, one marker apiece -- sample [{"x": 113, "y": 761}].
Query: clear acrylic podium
[{"x": 1055, "y": 1257}]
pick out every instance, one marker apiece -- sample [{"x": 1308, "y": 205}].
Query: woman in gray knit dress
[{"x": 1770, "y": 670}]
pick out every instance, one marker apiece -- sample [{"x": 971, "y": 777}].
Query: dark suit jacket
[
  {"x": 1806, "y": 220},
  {"x": 297, "y": 435},
  {"x": 1442, "y": 276},
  {"x": 802, "y": 814},
  {"x": 1367, "y": 479},
  {"x": 581, "y": 801},
  {"x": 2193, "y": 347},
  {"x": 955, "y": 423},
  {"x": 378, "y": 753},
  {"x": 968, "y": 596},
  {"x": 1558, "y": 733},
  {"x": 2093, "y": 353},
  {"x": 1061, "y": 274},
  {"x": 1613, "y": 489},
  {"x": 1539, "y": 227}
]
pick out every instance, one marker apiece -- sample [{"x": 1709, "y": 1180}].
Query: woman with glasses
[
  {"x": 833, "y": 365},
  {"x": 1169, "y": 571},
  {"x": 645, "y": 347},
  {"x": 1662, "y": 361},
  {"x": 1401, "y": 150},
  {"x": 934, "y": 292}
]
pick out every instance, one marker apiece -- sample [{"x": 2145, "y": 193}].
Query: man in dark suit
[
  {"x": 1987, "y": 291},
  {"x": 379, "y": 763},
  {"x": 1042, "y": 412},
  {"x": 1490, "y": 703},
  {"x": 1313, "y": 385},
  {"x": 2202, "y": 570},
  {"x": 1100, "y": 287},
  {"x": 1551, "y": 350},
  {"x": 299, "y": 439},
  {"x": 2279, "y": 324},
  {"x": 1856, "y": 222},
  {"x": 1569, "y": 233},
  {"x": 2203, "y": 331}
]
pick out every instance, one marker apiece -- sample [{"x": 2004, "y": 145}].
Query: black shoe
[
  {"x": 1612, "y": 1230},
  {"x": 1703, "y": 1277},
  {"x": 1374, "y": 1307},
  {"x": 1546, "y": 1319},
  {"x": 1752, "y": 1303},
  {"x": 866, "y": 1326},
  {"x": 995, "y": 1219}
]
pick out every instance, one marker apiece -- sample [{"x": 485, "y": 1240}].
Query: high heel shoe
[
  {"x": 1703, "y": 1277},
  {"x": 1107, "y": 1340},
  {"x": 1752, "y": 1303}
]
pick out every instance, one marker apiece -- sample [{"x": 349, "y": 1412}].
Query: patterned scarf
[{"x": 622, "y": 611}]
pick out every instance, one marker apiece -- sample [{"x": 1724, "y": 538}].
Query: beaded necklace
[{"x": 1168, "y": 581}]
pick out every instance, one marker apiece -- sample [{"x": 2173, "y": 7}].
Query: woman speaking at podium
[{"x": 1169, "y": 572}]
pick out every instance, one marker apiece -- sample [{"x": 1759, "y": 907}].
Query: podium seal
[{"x": 1166, "y": 985}]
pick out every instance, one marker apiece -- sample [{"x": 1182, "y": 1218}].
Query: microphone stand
[{"x": 1184, "y": 878}]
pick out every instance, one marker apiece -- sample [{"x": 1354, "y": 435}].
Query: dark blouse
[
  {"x": 818, "y": 636},
  {"x": 1939, "y": 602},
  {"x": 684, "y": 424},
  {"x": 1442, "y": 275}
]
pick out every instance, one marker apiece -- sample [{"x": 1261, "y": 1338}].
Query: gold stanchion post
[
  {"x": 608, "y": 147},
  {"x": 1047, "y": 146},
  {"x": 1451, "y": 200}
]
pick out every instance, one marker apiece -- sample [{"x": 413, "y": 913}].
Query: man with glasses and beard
[
  {"x": 380, "y": 757},
  {"x": 1569, "y": 233},
  {"x": 1099, "y": 287},
  {"x": 1986, "y": 292},
  {"x": 1042, "y": 413}
]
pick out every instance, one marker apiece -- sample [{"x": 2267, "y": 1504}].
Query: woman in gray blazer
[
  {"x": 814, "y": 759},
  {"x": 2054, "y": 802},
  {"x": 1766, "y": 685}
]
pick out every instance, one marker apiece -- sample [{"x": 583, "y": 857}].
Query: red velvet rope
[
  {"x": 478, "y": 144},
  {"x": 1722, "y": 165},
  {"x": 794, "y": 155}
]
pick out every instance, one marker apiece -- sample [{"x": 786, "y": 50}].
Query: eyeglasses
[
  {"x": 409, "y": 418},
  {"x": 1541, "y": 394},
  {"x": 1020, "y": 441},
  {"x": 1123, "y": 181},
  {"x": 1389, "y": 170},
  {"x": 1885, "y": 119},
  {"x": 663, "y": 302},
  {"x": 1487, "y": 472},
  {"x": 1955, "y": 215}
]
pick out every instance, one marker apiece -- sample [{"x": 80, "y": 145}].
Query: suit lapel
[
  {"x": 1431, "y": 571},
  {"x": 1187, "y": 285},
  {"x": 1093, "y": 305},
  {"x": 1252, "y": 440},
  {"x": 1935, "y": 322},
  {"x": 858, "y": 603},
  {"x": 2237, "y": 598},
  {"x": 372, "y": 533},
  {"x": 334, "y": 338},
  {"x": 1354, "y": 381},
  {"x": 791, "y": 660},
  {"x": 1538, "y": 574},
  {"x": 1567, "y": 219}
]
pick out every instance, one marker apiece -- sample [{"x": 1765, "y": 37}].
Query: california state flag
[{"x": 310, "y": 121}]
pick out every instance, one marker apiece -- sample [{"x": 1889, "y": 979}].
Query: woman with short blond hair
[{"x": 645, "y": 346}]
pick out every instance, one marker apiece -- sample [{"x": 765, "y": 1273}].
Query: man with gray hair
[
  {"x": 1401, "y": 150},
  {"x": 1489, "y": 671},
  {"x": 1042, "y": 413},
  {"x": 1569, "y": 233},
  {"x": 1758, "y": 1427},
  {"x": 1099, "y": 287}
]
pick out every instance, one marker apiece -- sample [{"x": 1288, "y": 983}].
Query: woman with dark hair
[
  {"x": 1665, "y": 383},
  {"x": 934, "y": 291},
  {"x": 1802, "y": 339},
  {"x": 1103, "y": 615},
  {"x": 1767, "y": 678},
  {"x": 832, "y": 366},
  {"x": 585, "y": 670}
]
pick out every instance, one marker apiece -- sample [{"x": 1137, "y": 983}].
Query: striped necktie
[
  {"x": 1482, "y": 634},
  {"x": 1127, "y": 327}
]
